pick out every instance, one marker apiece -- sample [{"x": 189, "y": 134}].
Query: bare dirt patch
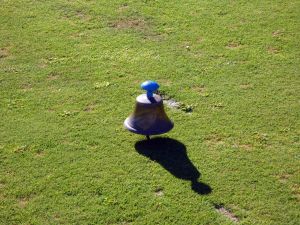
[
  {"x": 127, "y": 23},
  {"x": 26, "y": 87},
  {"x": 200, "y": 89},
  {"x": 218, "y": 105},
  {"x": 233, "y": 45},
  {"x": 273, "y": 50},
  {"x": 69, "y": 12},
  {"x": 296, "y": 191},
  {"x": 22, "y": 148},
  {"x": 277, "y": 33},
  {"x": 82, "y": 16},
  {"x": 56, "y": 217},
  {"x": 246, "y": 86},
  {"x": 140, "y": 25},
  {"x": 77, "y": 35},
  {"x": 123, "y": 7},
  {"x": 39, "y": 153},
  {"x": 43, "y": 63},
  {"x": 2, "y": 185},
  {"x": 214, "y": 140},
  {"x": 164, "y": 82},
  {"x": 200, "y": 40},
  {"x": 247, "y": 147},
  {"x": 159, "y": 192},
  {"x": 89, "y": 108},
  {"x": 283, "y": 178},
  {"x": 53, "y": 76},
  {"x": 4, "y": 52},
  {"x": 154, "y": 37},
  {"x": 22, "y": 202},
  {"x": 222, "y": 210}
]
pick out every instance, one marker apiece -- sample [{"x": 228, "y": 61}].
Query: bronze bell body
[{"x": 149, "y": 117}]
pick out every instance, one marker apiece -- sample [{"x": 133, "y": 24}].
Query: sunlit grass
[{"x": 69, "y": 75}]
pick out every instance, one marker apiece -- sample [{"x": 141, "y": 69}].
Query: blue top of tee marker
[{"x": 149, "y": 86}]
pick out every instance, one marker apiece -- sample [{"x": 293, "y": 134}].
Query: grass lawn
[{"x": 69, "y": 75}]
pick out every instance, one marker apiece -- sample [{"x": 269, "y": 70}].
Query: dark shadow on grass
[{"x": 171, "y": 154}]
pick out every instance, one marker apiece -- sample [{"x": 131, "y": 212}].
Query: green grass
[{"x": 69, "y": 75}]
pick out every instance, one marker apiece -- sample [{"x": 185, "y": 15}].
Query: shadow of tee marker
[{"x": 171, "y": 154}]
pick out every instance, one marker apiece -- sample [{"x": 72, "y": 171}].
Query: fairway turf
[{"x": 69, "y": 75}]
